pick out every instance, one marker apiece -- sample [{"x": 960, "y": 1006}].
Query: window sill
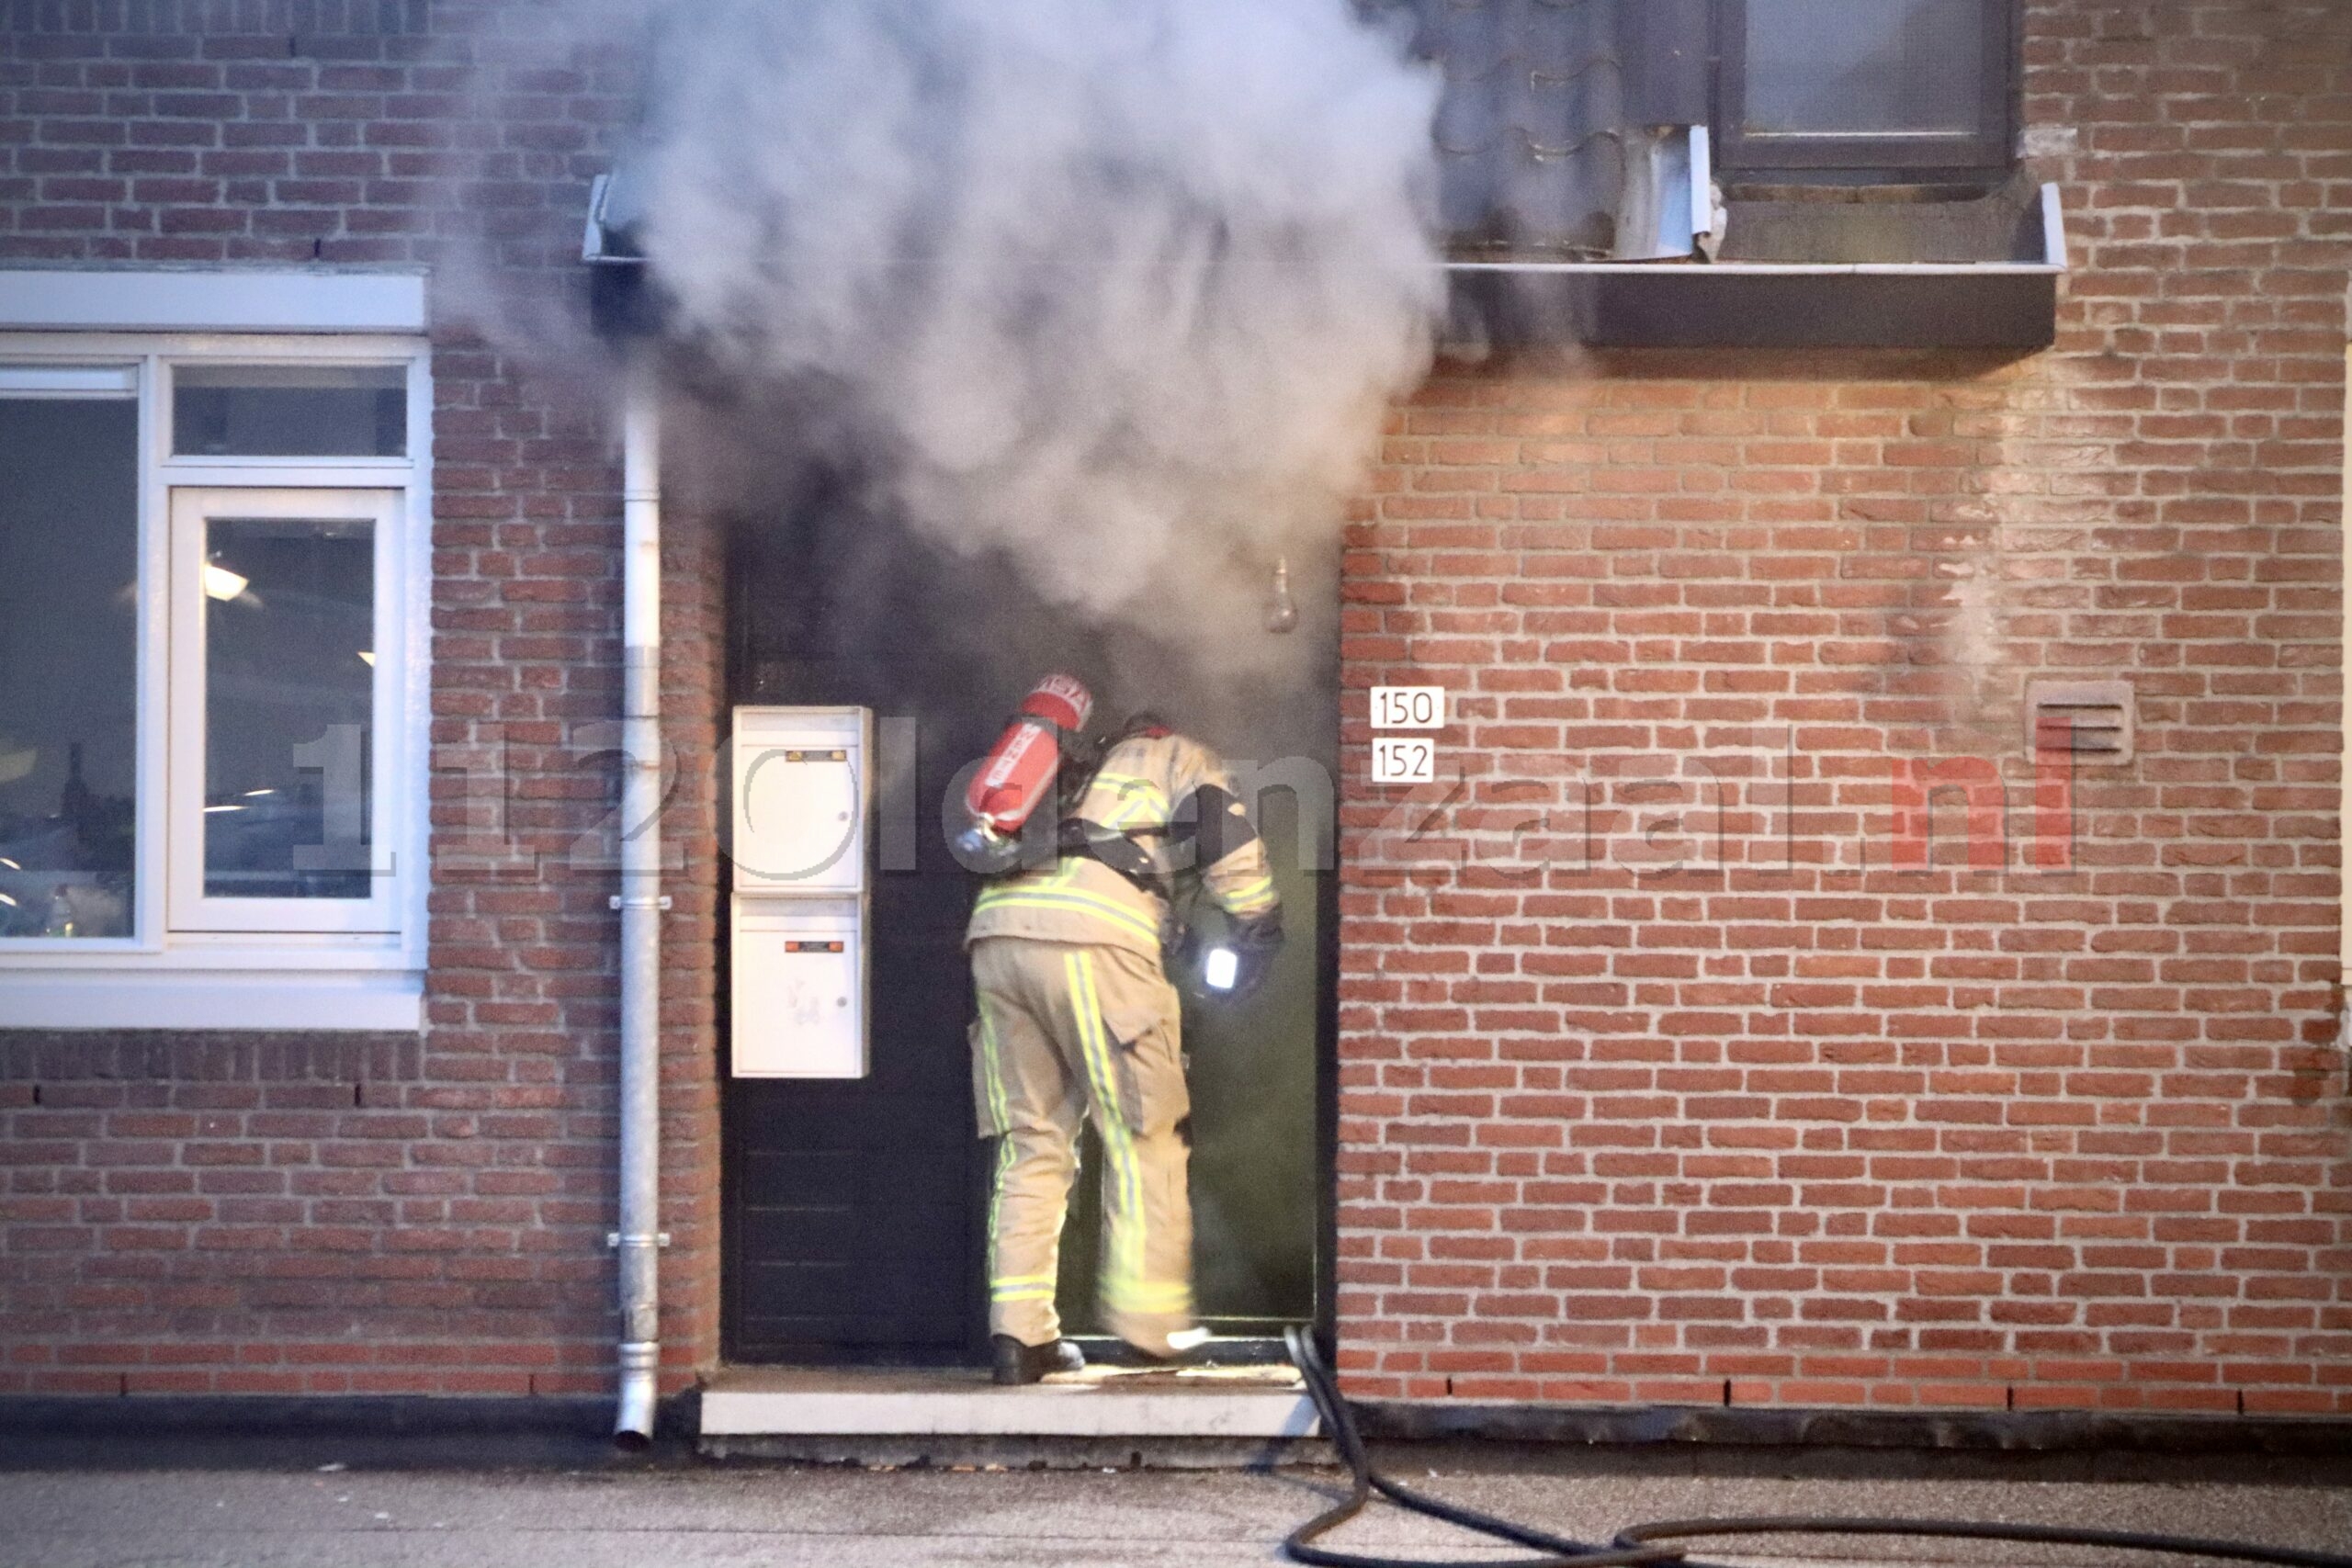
[
  {"x": 2009, "y": 305},
  {"x": 144, "y": 995},
  {"x": 301, "y": 953}
]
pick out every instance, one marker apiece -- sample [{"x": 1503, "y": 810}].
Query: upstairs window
[
  {"x": 1563, "y": 129},
  {"x": 1865, "y": 87}
]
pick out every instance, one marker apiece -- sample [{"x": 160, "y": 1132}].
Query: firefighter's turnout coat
[{"x": 1077, "y": 1019}]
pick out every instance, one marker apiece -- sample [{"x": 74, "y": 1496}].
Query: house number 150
[{"x": 1408, "y": 707}]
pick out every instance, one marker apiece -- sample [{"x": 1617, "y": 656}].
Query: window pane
[
  {"x": 1856, "y": 67},
  {"x": 289, "y": 672},
  {"x": 69, "y": 624},
  {"x": 291, "y": 411}
]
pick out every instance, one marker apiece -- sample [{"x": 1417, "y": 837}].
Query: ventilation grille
[{"x": 2096, "y": 720}]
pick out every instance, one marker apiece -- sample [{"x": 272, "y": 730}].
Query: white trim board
[
  {"x": 257, "y": 299},
  {"x": 170, "y": 1000}
]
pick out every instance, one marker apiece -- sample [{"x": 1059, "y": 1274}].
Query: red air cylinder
[{"x": 1018, "y": 774}]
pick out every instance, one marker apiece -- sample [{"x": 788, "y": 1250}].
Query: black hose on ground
[{"x": 1643, "y": 1542}]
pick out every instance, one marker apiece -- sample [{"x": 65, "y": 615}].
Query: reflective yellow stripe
[
  {"x": 1247, "y": 897},
  {"x": 998, "y": 1110},
  {"x": 1025, "y": 1294},
  {"x": 1130, "y": 783},
  {"x": 1124, "y": 1266},
  {"x": 1135, "y": 1296},
  {"x": 1069, "y": 900},
  {"x": 1075, "y": 901},
  {"x": 1122, "y": 814},
  {"x": 1058, "y": 880},
  {"x": 1062, "y": 873},
  {"x": 1003, "y": 1116},
  {"x": 1135, "y": 799}
]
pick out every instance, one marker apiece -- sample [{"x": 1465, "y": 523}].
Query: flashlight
[{"x": 1219, "y": 969}]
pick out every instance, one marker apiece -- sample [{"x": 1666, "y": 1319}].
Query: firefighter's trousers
[{"x": 1068, "y": 1032}]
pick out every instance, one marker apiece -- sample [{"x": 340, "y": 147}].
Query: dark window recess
[
  {"x": 1552, "y": 112},
  {"x": 68, "y": 648},
  {"x": 1865, "y": 87},
  {"x": 1866, "y": 134},
  {"x": 293, "y": 410}
]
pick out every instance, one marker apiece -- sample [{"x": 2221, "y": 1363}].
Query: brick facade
[
  {"x": 276, "y": 1216},
  {"x": 1789, "y": 1125},
  {"x": 1797, "y": 1131}
]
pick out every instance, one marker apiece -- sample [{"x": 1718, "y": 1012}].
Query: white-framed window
[
  {"x": 213, "y": 589},
  {"x": 275, "y": 816}
]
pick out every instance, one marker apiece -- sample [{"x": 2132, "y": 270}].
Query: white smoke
[{"x": 1120, "y": 287}]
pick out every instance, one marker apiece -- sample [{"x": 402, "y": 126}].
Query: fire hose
[{"x": 1645, "y": 1542}]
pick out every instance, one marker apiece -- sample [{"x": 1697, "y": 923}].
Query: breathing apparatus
[
  {"x": 1023, "y": 771},
  {"x": 1044, "y": 754}
]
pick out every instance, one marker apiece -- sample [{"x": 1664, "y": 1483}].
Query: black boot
[{"x": 1019, "y": 1363}]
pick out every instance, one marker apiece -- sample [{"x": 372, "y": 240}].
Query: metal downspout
[{"x": 638, "y": 1240}]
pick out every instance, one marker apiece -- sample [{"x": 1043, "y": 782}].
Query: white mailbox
[
  {"x": 803, "y": 794},
  {"x": 803, "y": 798},
  {"x": 799, "y": 991}
]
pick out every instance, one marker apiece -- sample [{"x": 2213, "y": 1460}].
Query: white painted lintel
[{"x": 226, "y": 300}]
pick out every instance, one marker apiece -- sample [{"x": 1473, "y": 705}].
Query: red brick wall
[
  {"x": 1827, "y": 1134},
  {"x": 286, "y": 1214},
  {"x": 694, "y": 708},
  {"x": 1810, "y": 1130}
]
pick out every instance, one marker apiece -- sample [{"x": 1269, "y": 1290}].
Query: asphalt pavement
[{"x": 328, "y": 1514}]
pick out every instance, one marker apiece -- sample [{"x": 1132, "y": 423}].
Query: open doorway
[{"x": 856, "y": 1210}]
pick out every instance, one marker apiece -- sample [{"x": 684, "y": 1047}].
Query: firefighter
[{"x": 1077, "y": 1019}]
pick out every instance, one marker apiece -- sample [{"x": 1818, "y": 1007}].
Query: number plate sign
[
  {"x": 1408, "y": 707},
  {"x": 1403, "y": 759}
]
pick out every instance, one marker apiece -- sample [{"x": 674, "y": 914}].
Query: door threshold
[{"x": 1249, "y": 1403}]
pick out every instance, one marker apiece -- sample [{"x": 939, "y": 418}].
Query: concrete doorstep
[{"x": 1126, "y": 1417}]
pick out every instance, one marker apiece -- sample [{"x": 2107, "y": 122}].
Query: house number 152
[{"x": 1403, "y": 759}]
